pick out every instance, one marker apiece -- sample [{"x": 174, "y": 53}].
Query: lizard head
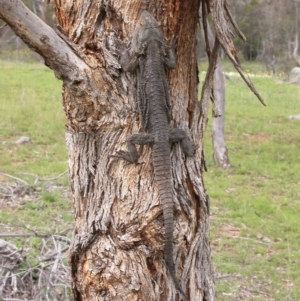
[
  {"x": 146, "y": 30},
  {"x": 147, "y": 21}
]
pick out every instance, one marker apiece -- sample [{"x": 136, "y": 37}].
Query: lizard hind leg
[
  {"x": 132, "y": 155},
  {"x": 176, "y": 135}
]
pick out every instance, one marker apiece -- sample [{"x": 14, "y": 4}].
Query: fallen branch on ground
[{"x": 47, "y": 279}]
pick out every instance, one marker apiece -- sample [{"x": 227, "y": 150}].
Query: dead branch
[
  {"x": 12, "y": 191},
  {"x": 24, "y": 235},
  {"x": 42, "y": 39},
  {"x": 37, "y": 178},
  {"x": 222, "y": 276},
  {"x": 3, "y": 25},
  {"x": 48, "y": 279},
  {"x": 54, "y": 178},
  {"x": 234, "y": 24},
  {"x": 13, "y": 177}
]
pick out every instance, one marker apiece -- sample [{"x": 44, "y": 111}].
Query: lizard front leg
[
  {"x": 176, "y": 135},
  {"x": 132, "y": 155},
  {"x": 128, "y": 59}
]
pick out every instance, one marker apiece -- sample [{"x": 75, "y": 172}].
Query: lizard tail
[
  {"x": 167, "y": 204},
  {"x": 162, "y": 172}
]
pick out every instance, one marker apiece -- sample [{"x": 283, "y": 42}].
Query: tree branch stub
[{"x": 42, "y": 39}]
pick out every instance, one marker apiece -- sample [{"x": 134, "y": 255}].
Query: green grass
[
  {"x": 255, "y": 204},
  {"x": 30, "y": 105},
  {"x": 49, "y": 214}
]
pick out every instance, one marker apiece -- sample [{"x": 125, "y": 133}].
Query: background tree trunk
[
  {"x": 220, "y": 154},
  {"x": 296, "y": 40},
  {"x": 117, "y": 246}
]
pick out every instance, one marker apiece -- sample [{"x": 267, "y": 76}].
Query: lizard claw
[
  {"x": 122, "y": 47},
  {"x": 190, "y": 150},
  {"x": 173, "y": 42},
  {"x": 123, "y": 155},
  {"x": 195, "y": 147}
]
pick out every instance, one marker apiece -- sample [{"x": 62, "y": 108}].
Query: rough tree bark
[{"x": 117, "y": 247}]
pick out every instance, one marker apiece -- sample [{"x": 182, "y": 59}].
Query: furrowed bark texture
[{"x": 117, "y": 250}]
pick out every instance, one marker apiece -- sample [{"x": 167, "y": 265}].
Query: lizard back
[{"x": 148, "y": 54}]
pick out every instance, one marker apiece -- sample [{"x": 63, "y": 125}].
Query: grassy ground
[
  {"x": 35, "y": 204},
  {"x": 30, "y": 105},
  {"x": 254, "y": 204}
]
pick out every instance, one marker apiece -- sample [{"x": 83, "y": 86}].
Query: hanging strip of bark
[
  {"x": 220, "y": 154},
  {"x": 224, "y": 35},
  {"x": 207, "y": 88}
]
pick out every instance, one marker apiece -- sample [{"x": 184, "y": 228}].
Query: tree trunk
[
  {"x": 220, "y": 154},
  {"x": 296, "y": 40},
  {"x": 118, "y": 241}
]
